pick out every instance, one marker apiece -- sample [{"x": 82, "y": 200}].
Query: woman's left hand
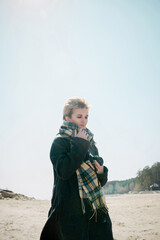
[{"x": 100, "y": 169}]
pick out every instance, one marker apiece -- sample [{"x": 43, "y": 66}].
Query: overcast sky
[{"x": 103, "y": 50}]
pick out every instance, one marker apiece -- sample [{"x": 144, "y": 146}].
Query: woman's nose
[{"x": 84, "y": 120}]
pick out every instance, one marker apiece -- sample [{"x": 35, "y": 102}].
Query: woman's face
[{"x": 79, "y": 116}]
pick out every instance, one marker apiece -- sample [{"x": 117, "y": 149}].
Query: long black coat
[{"x": 66, "y": 220}]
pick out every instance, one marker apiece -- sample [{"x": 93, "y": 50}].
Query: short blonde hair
[{"x": 74, "y": 103}]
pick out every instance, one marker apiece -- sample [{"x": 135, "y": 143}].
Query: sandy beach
[{"x": 134, "y": 217}]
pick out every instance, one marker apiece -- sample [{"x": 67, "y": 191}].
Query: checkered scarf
[{"x": 89, "y": 186}]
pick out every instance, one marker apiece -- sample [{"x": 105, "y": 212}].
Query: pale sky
[{"x": 105, "y": 51}]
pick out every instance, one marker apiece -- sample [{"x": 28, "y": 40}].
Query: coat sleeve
[
  {"x": 103, "y": 178},
  {"x": 67, "y": 156}
]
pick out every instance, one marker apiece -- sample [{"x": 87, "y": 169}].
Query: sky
[{"x": 105, "y": 51}]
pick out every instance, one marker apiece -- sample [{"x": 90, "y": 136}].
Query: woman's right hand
[{"x": 81, "y": 134}]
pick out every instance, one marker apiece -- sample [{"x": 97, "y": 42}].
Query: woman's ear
[{"x": 67, "y": 118}]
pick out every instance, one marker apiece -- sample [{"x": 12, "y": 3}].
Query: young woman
[{"x": 78, "y": 209}]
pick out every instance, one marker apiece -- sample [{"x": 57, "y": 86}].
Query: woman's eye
[{"x": 81, "y": 117}]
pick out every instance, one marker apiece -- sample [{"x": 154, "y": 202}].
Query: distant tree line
[
  {"x": 144, "y": 179},
  {"x": 147, "y": 177},
  {"x": 116, "y": 187}
]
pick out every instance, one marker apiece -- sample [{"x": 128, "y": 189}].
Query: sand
[{"x": 134, "y": 217}]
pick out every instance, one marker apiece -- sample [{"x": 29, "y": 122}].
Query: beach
[{"x": 134, "y": 217}]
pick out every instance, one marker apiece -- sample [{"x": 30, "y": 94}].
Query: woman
[{"x": 78, "y": 209}]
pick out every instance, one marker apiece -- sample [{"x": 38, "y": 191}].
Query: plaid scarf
[{"x": 89, "y": 187}]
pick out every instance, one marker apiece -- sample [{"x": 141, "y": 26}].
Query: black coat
[{"x": 65, "y": 215}]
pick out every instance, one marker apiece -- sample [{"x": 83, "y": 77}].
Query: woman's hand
[
  {"x": 81, "y": 134},
  {"x": 100, "y": 169}
]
